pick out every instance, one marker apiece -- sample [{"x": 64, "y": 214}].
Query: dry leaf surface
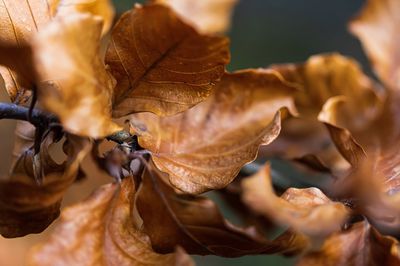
[
  {"x": 161, "y": 64},
  {"x": 205, "y": 147}
]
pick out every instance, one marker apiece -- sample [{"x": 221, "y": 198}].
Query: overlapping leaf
[
  {"x": 359, "y": 245},
  {"x": 205, "y": 147},
  {"x": 75, "y": 84},
  {"x": 19, "y": 21},
  {"x": 377, "y": 27},
  {"x": 102, "y": 231},
  {"x": 322, "y": 78},
  {"x": 101, "y": 8},
  {"x": 161, "y": 64},
  {"x": 196, "y": 224},
  {"x": 305, "y": 210},
  {"x": 208, "y": 16},
  {"x": 25, "y": 206}
]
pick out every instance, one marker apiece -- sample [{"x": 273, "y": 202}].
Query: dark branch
[
  {"x": 41, "y": 119},
  {"x": 17, "y": 112}
]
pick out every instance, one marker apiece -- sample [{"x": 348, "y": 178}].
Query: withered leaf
[
  {"x": 101, "y": 8},
  {"x": 360, "y": 245},
  {"x": 102, "y": 231},
  {"x": 322, "y": 78},
  {"x": 377, "y": 28},
  {"x": 196, "y": 224},
  {"x": 208, "y": 16},
  {"x": 161, "y": 64},
  {"x": 27, "y": 207},
  {"x": 305, "y": 210},
  {"x": 75, "y": 84},
  {"x": 19, "y": 21},
  {"x": 204, "y": 147}
]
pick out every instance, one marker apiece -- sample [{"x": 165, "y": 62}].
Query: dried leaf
[
  {"x": 360, "y": 245},
  {"x": 75, "y": 84},
  {"x": 161, "y": 64},
  {"x": 19, "y": 21},
  {"x": 101, "y": 8},
  {"x": 208, "y": 16},
  {"x": 25, "y": 206},
  {"x": 323, "y": 77},
  {"x": 377, "y": 28},
  {"x": 305, "y": 210},
  {"x": 101, "y": 231},
  {"x": 196, "y": 224},
  {"x": 205, "y": 147}
]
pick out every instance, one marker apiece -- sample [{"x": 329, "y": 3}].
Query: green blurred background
[{"x": 264, "y": 32}]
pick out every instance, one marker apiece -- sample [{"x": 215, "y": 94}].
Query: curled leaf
[
  {"x": 161, "y": 64},
  {"x": 196, "y": 224},
  {"x": 27, "y": 207},
  {"x": 360, "y": 245},
  {"x": 321, "y": 79},
  {"x": 377, "y": 28},
  {"x": 19, "y": 21},
  {"x": 75, "y": 84},
  {"x": 208, "y": 16},
  {"x": 102, "y": 8},
  {"x": 305, "y": 210},
  {"x": 102, "y": 231},
  {"x": 205, "y": 147}
]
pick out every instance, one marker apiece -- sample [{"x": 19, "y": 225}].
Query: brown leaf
[
  {"x": 377, "y": 28},
  {"x": 205, "y": 147},
  {"x": 305, "y": 210},
  {"x": 358, "y": 246},
  {"x": 75, "y": 84},
  {"x": 161, "y": 64},
  {"x": 19, "y": 21},
  {"x": 208, "y": 16},
  {"x": 196, "y": 224},
  {"x": 101, "y": 8},
  {"x": 25, "y": 206},
  {"x": 102, "y": 231},
  {"x": 323, "y": 77}
]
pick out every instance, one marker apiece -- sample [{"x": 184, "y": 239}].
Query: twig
[{"x": 17, "y": 112}]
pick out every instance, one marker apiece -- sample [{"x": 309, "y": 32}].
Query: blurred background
[{"x": 263, "y": 32}]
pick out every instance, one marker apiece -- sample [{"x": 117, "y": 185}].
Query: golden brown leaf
[
  {"x": 102, "y": 231},
  {"x": 377, "y": 28},
  {"x": 208, "y": 16},
  {"x": 205, "y": 147},
  {"x": 101, "y": 8},
  {"x": 358, "y": 246},
  {"x": 75, "y": 84},
  {"x": 161, "y": 64},
  {"x": 196, "y": 224},
  {"x": 323, "y": 77},
  {"x": 19, "y": 21},
  {"x": 305, "y": 210},
  {"x": 27, "y": 207}
]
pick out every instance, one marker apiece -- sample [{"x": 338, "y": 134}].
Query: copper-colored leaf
[
  {"x": 76, "y": 86},
  {"x": 321, "y": 78},
  {"x": 101, "y": 8},
  {"x": 19, "y": 20},
  {"x": 377, "y": 26},
  {"x": 305, "y": 210},
  {"x": 102, "y": 231},
  {"x": 27, "y": 207},
  {"x": 196, "y": 224},
  {"x": 358, "y": 246},
  {"x": 161, "y": 64},
  {"x": 205, "y": 147},
  {"x": 208, "y": 16}
]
